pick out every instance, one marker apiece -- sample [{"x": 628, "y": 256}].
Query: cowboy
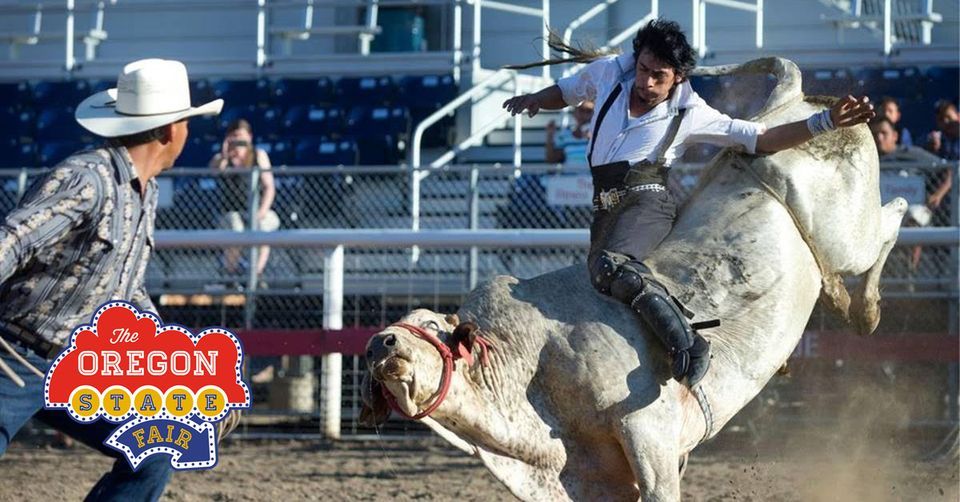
[
  {"x": 648, "y": 115},
  {"x": 82, "y": 237}
]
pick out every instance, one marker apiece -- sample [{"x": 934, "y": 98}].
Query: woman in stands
[{"x": 239, "y": 152}]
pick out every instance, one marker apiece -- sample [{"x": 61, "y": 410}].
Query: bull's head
[{"x": 407, "y": 366}]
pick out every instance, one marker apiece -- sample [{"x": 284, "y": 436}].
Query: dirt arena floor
[{"x": 427, "y": 469}]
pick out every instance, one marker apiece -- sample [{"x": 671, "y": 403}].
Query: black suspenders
[{"x": 603, "y": 113}]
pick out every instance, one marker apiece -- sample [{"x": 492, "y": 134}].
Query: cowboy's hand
[
  {"x": 850, "y": 111},
  {"x": 518, "y": 104}
]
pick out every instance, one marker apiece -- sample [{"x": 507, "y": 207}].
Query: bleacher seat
[
  {"x": 380, "y": 120},
  {"x": 279, "y": 151},
  {"x": 902, "y": 83},
  {"x": 15, "y": 94},
  {"x": 58, "y": 124},
  {"x": 16, "y": 154},
  {"x": 366, "y": 91},
  {"x": 943, "y": 82},
  {"x": 197, "y": 153},
  {"x": 201, "y": 91},
  {"x": 50, "y": 154},
  {"x": 64, "y": 94},
  {"x": 423, "y": 95},
  {"x": 205, "y": 127},
  {"x": 377, "y": 150},
  {"x": 313, "y": 121},
  {"x": 267, "y": 122},
  {"x": 237, "y": 93},
  {"x": 96, "y": 86},
  {"x": 232, "y": 113},
  {"x": 313, "y": 91},
  {"x": 312, "y": 152},
  {"x": 828, "y": 82},
  {"x": 17, "y": 123}
]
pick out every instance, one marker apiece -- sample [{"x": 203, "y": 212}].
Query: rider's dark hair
[{"x": 666, "y": 42}]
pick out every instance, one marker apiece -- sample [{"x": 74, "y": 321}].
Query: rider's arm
[
  {"x": 550, "y": 98},
  {"x": 571, "y": 90},
  {"x": 846, "y": 112}
]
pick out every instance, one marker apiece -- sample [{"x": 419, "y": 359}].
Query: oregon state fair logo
[{"x": 164, "y": 386}]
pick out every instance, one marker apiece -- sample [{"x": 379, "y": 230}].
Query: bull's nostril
[
  {"x": 370, "y": 354},
  {"x": 390, "y": 341}
]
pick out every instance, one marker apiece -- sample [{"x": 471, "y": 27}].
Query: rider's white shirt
[{"x": 622, "y": 137}]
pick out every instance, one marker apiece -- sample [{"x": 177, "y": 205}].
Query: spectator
[
  {"x": 238, "y": 152},
  {"x": 890, "y": 108},
  {"x": 945, "y": 143},
  {"x": 569, "y": 146}
]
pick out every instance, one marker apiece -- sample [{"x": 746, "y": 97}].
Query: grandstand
[{"x": 352, "y": 99}]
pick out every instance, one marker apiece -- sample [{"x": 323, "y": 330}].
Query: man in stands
[
  {"x": 890, "y": 108},
  {"x": 648, "y": 114},
  {"x": 945, "y": 143},
  {"x": 82, "y": 237}
]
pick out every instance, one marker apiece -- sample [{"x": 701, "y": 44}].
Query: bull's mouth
[{"x": 397, "y": 375}]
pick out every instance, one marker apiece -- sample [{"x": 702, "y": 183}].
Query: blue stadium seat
[
  {"x": 58, "y": 124},
  {"x": 16, "y": 154},
  {"x": 828, "y": 82},
  {"x": 380, "y": 120},
  {"x": 313, "y": 91},
  {"x": 205, "y": 127},
  {"x": 279, "y": 151},
  {"x": 267, "y": 122},
  {"x": 48, "y": 94},
  {"x": 201, "y": 91},
  {"x": 237, "y": 93},
  {"x": 101, "y": 85},
  {"x": 369, "y": 91},
  {"x": 942, "y": 82},
  {"x": 326, "y": 152},
  {"x": 15, "y": 94},
  {"x": 50, "y": 154},
  {"x": 232, "y": 113},
  {"x": 197, "y": 153},
  {"x": 904, "y": 83},
  {"x": 313, "y": 121},
  {"x": 377, "y": 150},
  {"x": 427, "y": 91},
  {"x": 17, "y": 123}
]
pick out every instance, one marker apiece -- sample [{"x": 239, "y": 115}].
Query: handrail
[
  {"x": 450, "y": 238},
  {"x": 616, "y": 40},
  {"x": 700, "y": 20}
]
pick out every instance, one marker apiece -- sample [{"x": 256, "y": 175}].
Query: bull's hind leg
[{"x": 865, "y": 301}]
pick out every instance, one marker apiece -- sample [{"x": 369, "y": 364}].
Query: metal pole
[
  {"x": 365, "y": 38},
  {"x": 695, "y": 14},
  {"x": 457, "y": 39},
  {"x": 517, "y": 129},
  {"x": 703, "y": 28},
  {"x": 545, "y": 34},
  {"x": 70, "y": 61},
  {"x": 333, "y": 362},
  {"x": 759, "y": 24},
  {"x": 253, "y": 275},
  {"x": 476, "y": 40},
  {"x": 474, "y": 224},
  {"x": 261, "y": 33},
  {"x": 887, "y": 35}
]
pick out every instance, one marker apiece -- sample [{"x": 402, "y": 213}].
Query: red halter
[{"x": 448, "y": 357}]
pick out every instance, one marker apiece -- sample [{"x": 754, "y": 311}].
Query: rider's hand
[
  {"x": 518, "y": 104},
  {"x": 850, "y": 111}
]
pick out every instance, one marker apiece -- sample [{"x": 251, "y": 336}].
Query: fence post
[
  {"x": 474, "y": 224},
  {"x": 333, "y": 362}
]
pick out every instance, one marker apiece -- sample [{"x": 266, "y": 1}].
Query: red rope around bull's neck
[{"x": 448, "y": 357}]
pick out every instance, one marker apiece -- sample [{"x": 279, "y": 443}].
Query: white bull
[{"x": 576, "y": 401}]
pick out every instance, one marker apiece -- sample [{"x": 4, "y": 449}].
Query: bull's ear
[
  {"x": 462, "y": 339},
  {"x": 452, "y": 319}
]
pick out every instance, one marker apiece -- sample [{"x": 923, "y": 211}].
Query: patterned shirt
[
  {"x": 80, "y": 237},
  {"x": 622, "y": 137}
]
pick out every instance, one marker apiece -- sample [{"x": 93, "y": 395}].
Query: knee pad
[{"x": 603, "y": 269}]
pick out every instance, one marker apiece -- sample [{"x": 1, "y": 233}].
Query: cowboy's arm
[
  {"x": 550, "y": 98},
  {"x": 46, "y": 216},
  {"x": 846, "y": 112}
]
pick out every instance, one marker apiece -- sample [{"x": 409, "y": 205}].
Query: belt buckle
[{"x": 609, "y": 198}]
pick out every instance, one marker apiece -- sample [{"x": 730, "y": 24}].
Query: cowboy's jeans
[{"x": 19, "y": 404}]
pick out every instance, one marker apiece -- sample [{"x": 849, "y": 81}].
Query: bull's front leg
[
  {"x": 651, "y": 446},
  {"x": 865, "y": 302}
]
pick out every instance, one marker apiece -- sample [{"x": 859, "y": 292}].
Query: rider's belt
[
  {"x": 28, "y": 340},
  {"x": 609, "y": 199},
  {"x": 611, "y": 182}
]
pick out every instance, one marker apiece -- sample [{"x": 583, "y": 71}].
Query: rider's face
[{"x": 654, "y": 79}]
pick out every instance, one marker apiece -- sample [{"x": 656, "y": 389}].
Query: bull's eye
[{"x": 431, "y": 325}]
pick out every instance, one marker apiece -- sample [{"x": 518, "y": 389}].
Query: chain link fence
[{"x": 204, "y": 287}]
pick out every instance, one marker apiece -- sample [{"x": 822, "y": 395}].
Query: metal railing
[
  {"x": 894, "y": 21},
  {"x": 700, "y": 20}
]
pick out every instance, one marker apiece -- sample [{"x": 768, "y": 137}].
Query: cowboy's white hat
[{"x": 149, "y": 93}]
